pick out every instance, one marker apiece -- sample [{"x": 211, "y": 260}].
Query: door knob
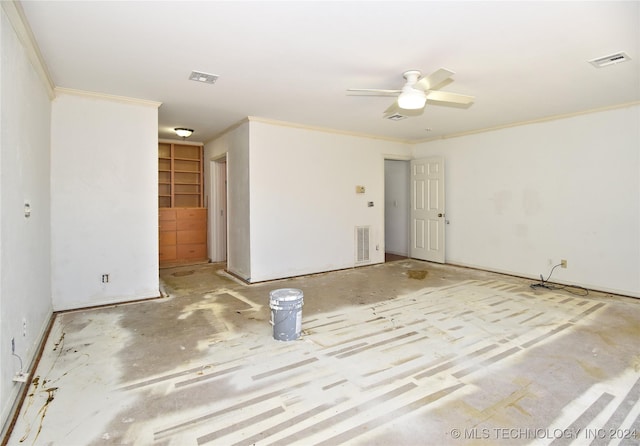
[{"x": 440, "y": 215}]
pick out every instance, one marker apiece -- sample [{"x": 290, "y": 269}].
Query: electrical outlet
[
  {"x": 105, "y": 278},
  {"x": 13, "y": 346},
  {"x": 563, "y": 263},
  {"x": 24, "y": 327}
]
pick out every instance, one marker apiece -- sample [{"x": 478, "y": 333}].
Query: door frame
[
  {"x": 394, "y": 157},
  {"x": 218, "y": 209}
]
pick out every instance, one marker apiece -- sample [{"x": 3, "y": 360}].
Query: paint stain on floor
[
  {"x": 418, "y": 274},
  {"x": 183, "y": 273}
]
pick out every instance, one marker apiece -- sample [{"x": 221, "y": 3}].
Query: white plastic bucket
[{"x": 286, "y": 313}]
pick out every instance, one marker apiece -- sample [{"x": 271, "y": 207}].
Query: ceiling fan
[{"x": 417, "y": 91}]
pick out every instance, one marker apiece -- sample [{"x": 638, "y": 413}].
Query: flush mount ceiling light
[{"x": 182, "y": 132}]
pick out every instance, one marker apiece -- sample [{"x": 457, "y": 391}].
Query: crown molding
[
  {"x": 532, "y": 121},
  {"x": 108, "y": 97},
  {"x": 250, "y": 119},
  {"x": 15, "y": 15},
  {"x": 327, "y": 130},
  {"x": 227, "y": 130},
  {"x": 413, "y": 142},
  {"x": 181, "y": 142}
]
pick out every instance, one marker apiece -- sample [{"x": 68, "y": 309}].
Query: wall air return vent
[
  {"x": 396, "y": 117},
  {"x": 207, "y": 78},
  {"x": 362, "y": 244},
  {"x": 609, "y": 60}
]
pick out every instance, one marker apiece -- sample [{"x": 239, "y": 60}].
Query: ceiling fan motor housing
[{"x": 412, "y": 76}]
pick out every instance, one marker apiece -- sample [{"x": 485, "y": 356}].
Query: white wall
[
  {"x": 235, "y": 143},
  {"x": 397, "y": 205},
  {"x": 304, "y": 206},
  {"x": 25, "y": 273},
  {"x": 104, "y": 205},
  {"x": 522, "y": 198}
]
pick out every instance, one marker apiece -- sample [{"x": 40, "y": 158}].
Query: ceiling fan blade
[
  {"x": 434, "y": 79},
  {"x": 411, "y": 113},
  {"x": 372, "y": 92},
  {"x": 445, "y": 96},
  {"x": 393, "y": 109}
]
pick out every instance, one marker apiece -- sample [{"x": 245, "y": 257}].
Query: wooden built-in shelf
[
  {"x": 180, "y": 165},
  {"x": 182, "y": 215}
]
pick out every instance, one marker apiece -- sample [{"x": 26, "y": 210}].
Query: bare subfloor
[{"x": 403, "y": 353}]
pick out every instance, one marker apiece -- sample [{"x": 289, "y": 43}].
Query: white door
[{"x": 427, "y": 209}]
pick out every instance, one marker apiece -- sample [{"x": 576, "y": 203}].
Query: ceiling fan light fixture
[
  {"x": 411, "y": 99},
  {"x": 183, "y": 133}
]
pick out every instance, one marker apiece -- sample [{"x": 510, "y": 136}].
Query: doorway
[
  {"x": 218, "y": 210},
  {"x": 397, "y": 201}
]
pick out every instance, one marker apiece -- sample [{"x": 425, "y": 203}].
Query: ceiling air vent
[
  {"x": 396, "y": 117},
  {"x": 609, "y": 60},
  {"x": 207, "y": 78}
]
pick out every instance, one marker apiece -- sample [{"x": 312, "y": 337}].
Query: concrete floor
[{"x": 404, "y": 353}]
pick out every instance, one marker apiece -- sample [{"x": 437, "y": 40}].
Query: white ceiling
[{"x": 293, "y": 61}]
